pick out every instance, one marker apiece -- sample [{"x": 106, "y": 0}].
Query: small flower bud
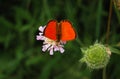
[{"x": 96, "y": 56}]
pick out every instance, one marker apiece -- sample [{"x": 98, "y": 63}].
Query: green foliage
[{"x": 20, "y": 53}]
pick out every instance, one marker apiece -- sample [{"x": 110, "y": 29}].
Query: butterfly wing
[
  {"x": 67, "y": 31},
  {"x": 50, "y": 30}
]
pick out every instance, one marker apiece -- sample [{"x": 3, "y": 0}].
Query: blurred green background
[{"x": 20, "y": 53}]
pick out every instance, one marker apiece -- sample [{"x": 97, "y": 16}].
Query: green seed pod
[{"x": 96, "y": 56}]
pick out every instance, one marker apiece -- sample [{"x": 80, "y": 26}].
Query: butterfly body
[{"x": 60, "y": 31}]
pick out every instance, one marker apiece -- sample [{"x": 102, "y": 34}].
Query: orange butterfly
[{"x": 59, "y": 31}]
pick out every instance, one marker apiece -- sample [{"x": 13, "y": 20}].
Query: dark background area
[{"x": 20, "y": 53}]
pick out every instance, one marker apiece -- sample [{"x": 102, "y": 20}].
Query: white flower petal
[
  {"x": 39, "y": 37},
  {"x": 56, "y": 48},
  {"x": 41, "y": 28},
  {"x": 61, "y": 50},
  {"x": 51, "y": 47},
  {"x": 45, "y": 47},
  {"x": 63, "y": 42},
  {"x": 51, "y": 51},
  {"x": 41, "y": 34}
]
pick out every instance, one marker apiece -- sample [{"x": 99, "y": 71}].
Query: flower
[
  {"x": 40, "y": 36},
  {"x": 49, "y": 44},
  {"x": 96, "y": 56}
]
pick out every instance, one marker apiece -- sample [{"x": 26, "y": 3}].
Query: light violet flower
[{"x": 50, "y": 44}]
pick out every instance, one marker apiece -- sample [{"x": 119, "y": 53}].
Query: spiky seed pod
[{"x": 96, "y": 56}]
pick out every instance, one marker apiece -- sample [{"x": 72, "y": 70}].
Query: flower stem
[
  {"x": 104, "y": 73},
  {"x": 107, "y": 34},
  {"x": 109, "y": 21}
]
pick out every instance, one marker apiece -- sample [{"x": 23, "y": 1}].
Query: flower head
[
  {"x": 96, "y": 56},
  {"x": 50, "y": 44}
]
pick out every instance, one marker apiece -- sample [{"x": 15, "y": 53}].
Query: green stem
[
  {"x": 107, "y": 34},
  {"x": 109, "y": 22},
  {"x": 104, "y": 73}
]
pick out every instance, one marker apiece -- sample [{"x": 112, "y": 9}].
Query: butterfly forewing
[
  {"x": 67, "y": 31},
  {"x": 50, "y": 30}
]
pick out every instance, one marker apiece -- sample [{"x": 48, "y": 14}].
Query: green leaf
[{"x": 115, "y": 49}]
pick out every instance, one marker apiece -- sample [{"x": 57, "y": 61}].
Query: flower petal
[
  {"x": 41, "y": 34},
  {"x": 41, "y": 28},
  {"x": 63, "y": 42},
  {"x": 51, "y": 51},
  {"x": 61, "y": 49},
  {"x": 45, "y": 47},
  {"x": 56, "y": 48},
  {"x": 51, "y": 47},
  {"x": 38, "y": 37}
]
